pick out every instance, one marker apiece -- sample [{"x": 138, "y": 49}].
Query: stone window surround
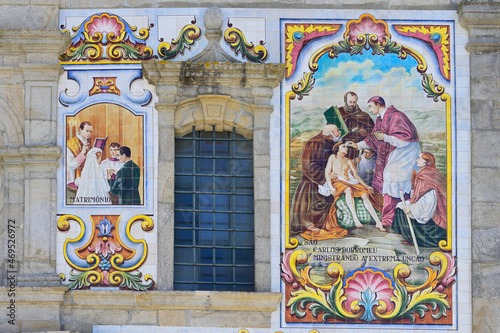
[{"x": 225, "y": 96}]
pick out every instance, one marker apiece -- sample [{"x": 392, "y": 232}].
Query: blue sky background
[{"x": 395, "y": 79}]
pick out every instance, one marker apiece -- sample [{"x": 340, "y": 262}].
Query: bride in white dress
[{"x": 93, "y": 187}]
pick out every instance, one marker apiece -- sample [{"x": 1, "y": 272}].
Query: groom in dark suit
[{"x": 126, "y": 181}]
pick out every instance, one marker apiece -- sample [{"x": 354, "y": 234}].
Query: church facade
[{"x": 248, "y": 168}]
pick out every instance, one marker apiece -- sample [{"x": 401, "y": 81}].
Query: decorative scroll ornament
[
  {"x": 297, "y": 36},
  {"x": 188, "y": 35},
  {"x": 362, "y": 35},
  {"x": 236, "y": 39},
  {"x": 304, "y": 86},
  {"x": 431, "y": 87},
  {"x": 105, "y": 259},
  {"x": 367, "y": 33},
  {"x": 437, "y": 37},
  {"x": 368, "y": 294},
  {"x": 104, "y": 85},
  {"x": 107, "y": 37}
]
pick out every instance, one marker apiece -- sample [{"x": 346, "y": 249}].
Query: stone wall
[{"x": 482, "y": 20}]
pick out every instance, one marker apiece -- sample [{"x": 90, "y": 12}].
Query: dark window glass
[{"x": 214, "y": 237}]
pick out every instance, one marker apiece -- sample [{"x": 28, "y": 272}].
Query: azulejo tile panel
[
  {"x": 369, "y": 108},
  {"x": 107, "y": 175}
]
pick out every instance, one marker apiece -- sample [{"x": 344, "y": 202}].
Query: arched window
[{"x": 214, "y": 212}]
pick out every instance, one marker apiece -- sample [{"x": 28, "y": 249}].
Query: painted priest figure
[
  {"x": 76, "y": 152},
  {"x": 358, "y": 122},
  {"x": 394, "y": 139}
]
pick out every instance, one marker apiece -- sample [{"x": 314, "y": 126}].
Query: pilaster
[
  {"x": 31, "y": 174},
  {"x": 482, "y": 20}
]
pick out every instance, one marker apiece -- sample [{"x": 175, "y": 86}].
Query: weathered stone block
[
  {"x": 481, "y": 113},
  {"x": 40, "y": 99},
  {"x": 244, "y": 301},
  {"x": 101, "y": 316},
  {"x": 485, "y": 215},
  {"x": 261, "y": 184},
  {"x": 483, "y": 154},
  {"x": 139, "y": 3},
  {"x": 205, "y": 318},
  {"x": 37, "y": 312},
  {"x": 39, "y": 326},
  {"x": 262, "y": 117},
  {"x": 262, "y": 277},
  {"x": 486, "y": 318},
  {"x": 262, "y": 92},
  {"x": 29, "y": 17},
  {"x": 476, "y": 280},
  {"x": 261, "y": 218},
  {"x": 166, "y": 181},
  {"x": 495, "y": 114},
  {"x": 187, "y": 92},
  {"x": 173, "y": 300},
  {"x": 485, "y": 65},
  {"x": 262, "y": 249},
  {"x": 261, "y": 142},
  {"x": 101, "y": 298},
  {"x": 42, "y": 132},
  {"x": 489, "y": 280},
  {"x": 172, "y": 318},
  {"x": 485, "y": 184},
  {"x": 486, "y": 245},
  {"x": 91, "y": 4},
  {"x": 141, "y": 317},
  {"x": 484, "y": 87},
  {"x": 261, "y": 161}
]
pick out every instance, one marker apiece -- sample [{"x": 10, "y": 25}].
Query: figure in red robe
[
  {"x": 395, "y": 141},
  {"x": 427, "y": 207}
]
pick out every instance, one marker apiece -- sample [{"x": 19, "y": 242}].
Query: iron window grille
[{"x": 214, "y": 212}]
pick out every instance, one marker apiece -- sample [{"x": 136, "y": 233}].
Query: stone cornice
[
  {"x": 36, "y": 72},
  {"x": 39, "y": 46},
  {"x": 34, "y": 295},
  {"x": 235, "y": 75},
  {"x": 482, "y": 20},
  {"x": 30, "y": 155}
]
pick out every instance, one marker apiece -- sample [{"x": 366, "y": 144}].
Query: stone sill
[
  {"x": 179, "y": 300},
  {"x": 152, "y": 300}
]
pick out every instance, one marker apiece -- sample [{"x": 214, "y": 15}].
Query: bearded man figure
[
  {"x": 359, "y": 123},
  {"x": 309, "y": 207}
]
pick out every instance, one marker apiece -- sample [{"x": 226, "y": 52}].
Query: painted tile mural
[
  {"x": 106, "y": 205},
  {"x": 369, "y": 125},
  {"x": 368, "y": 112}
]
